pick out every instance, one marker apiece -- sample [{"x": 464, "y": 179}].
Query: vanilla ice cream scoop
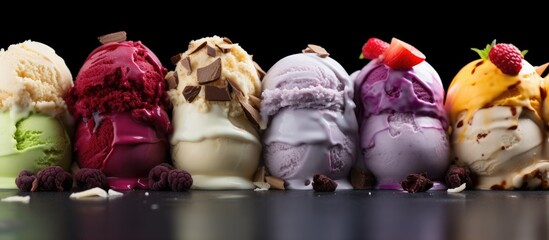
[
  {"x": 497, "y": 125},
  {"x": 215, "y": 95}
]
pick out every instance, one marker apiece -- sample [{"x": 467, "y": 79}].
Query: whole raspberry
[
  {"x": 457, "y": 175},
  {"x": 52, "y": 178},
  {"x": 179, "y": 180},
  {"x": 88, "y": 178},
  {"x": 507, "y": 58},
  {"x": 24, "y": 180},
  {"x": 158, "y": 177},
  {"x": 373, "y": 48},
  {"x": 417, "y": 183},
  {"x": 322, "y": 183}
]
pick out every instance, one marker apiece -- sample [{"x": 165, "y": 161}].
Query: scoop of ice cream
[
  {"x": 120, "y": 102},
  {"x": 118, "y": 77},
  {"x": 216, "y": 102},
  {"x": 498, "y": 133},
  {"x": 417, "y": 90},
  {"x": 34, "y": 78},
  {"x": 32, "y": 143},
  {"x": 33, "y": 114},
  {"x": 307, "y": 100},
  {"x": 402, "y": 119}
]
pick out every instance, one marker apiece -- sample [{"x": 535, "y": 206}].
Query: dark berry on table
[
  {"x": 88, "y": 178},
  {"x": 158, "y": 177},
  {"x": 417, "y": 183},
  {"x": 53, "y": 178},
  {"x": 180, "y": 180},
  {"x": 24, "y": 180},
  {"x": 456, "y": 176},
  {"x": 322, "y": 183}
]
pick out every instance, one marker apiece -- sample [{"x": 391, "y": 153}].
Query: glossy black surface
[{"x": 280, "y": 215}]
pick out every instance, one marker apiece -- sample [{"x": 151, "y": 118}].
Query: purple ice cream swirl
[
  {"x": 402, "y": 122},
  {"x": 312, "y": 128}
]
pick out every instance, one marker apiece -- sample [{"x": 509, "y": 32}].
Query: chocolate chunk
[
  {"x": 276, "y": 183},
  {"x": 211, "y": 51},
  {"x": 322, "y": 183},
  {"x": 233, "y": 85},
  {"x": 214, "y": 93},
  {"x": 210, "y": 73},
  {"x": 260, "y": 71},
  {"x": 227, "y": 40},
  {"x": 176, "y": 58},
  {"x": 255, "y": 101},
  {"x": 190, "y": 92},
  {"x": 202, "y": 44},
  {"x": 458, "y": 175},
  {"x": 186, "y": 63},
  {"x": 320, "y": 51},
  {"x": 112, "y": 37},
  {"x": 224, "y": 47},
  {"x": 251, "y": 113},
  {"x": 172, "y": 80}
]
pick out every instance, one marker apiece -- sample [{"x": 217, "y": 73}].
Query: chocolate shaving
[
  {"x": 227, "y": 40},
  {"x": 190, "y": 92},
  {"x": 259, "y": 175},
  {"x": 186, "y": 63},
  {"x": 276, "y": 183},
  {"x": 172, "y": 80},
  {"x": 211, "y": 51},
  {"x": 320, "y": 51},
  {"x": 251, "y": 113},
  {"x": 260, "y": 71},
  {"x": 112, "y": 37},
  {"x": 224, "y": 47},
  {"x": 203, "y": 44},
  {"x": 176, "y": 58},
  {"x": 210, "y": 73},
  {"x": 214, "y": 93}
]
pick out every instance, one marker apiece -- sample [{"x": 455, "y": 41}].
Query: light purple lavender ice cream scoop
[
  {"x": 402, "y": 123},
  {"x": 312, "y": 127}
]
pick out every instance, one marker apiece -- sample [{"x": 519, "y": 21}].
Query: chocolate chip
[
  {"x": 190, "y": 92},
  {"x": 211, "y": 51},
  {"x": 172, "y": 80},
  {"x": 227, "y": 40},
  {"x": 224, "y": 47},
  {"x": 320, "y": 51},
  {"x": 260, "y": 71},
  {"x": 186, "y": 63},
  {"x": 176, "y": 58},
  {"x": 214, "y": 93},
  {"x": 210, "y": 73},
  {"x": 112, "y": 37},
  {"x": 202, "y": 44}
]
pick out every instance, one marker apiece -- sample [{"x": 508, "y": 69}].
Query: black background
[{"x": 272, "y": 30}]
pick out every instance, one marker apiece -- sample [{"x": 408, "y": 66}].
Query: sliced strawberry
[
  {"x": 373, "y": 48},
  {"x": 401, "y": 55}
]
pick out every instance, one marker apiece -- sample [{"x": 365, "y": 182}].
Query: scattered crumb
[
  {"x": 94, "y": 192},
  {"x": 21, "y": 199},
  {"x": 146, "y": 193},
  {"x": 113, "y": 193},
  {"x": 458, "y": 189}
]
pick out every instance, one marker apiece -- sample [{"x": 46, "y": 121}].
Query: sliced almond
[
  {"x": 458, "y": 189},
  {"x": 112, "y": 37},
  {"x": 94, "y": 192}
]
